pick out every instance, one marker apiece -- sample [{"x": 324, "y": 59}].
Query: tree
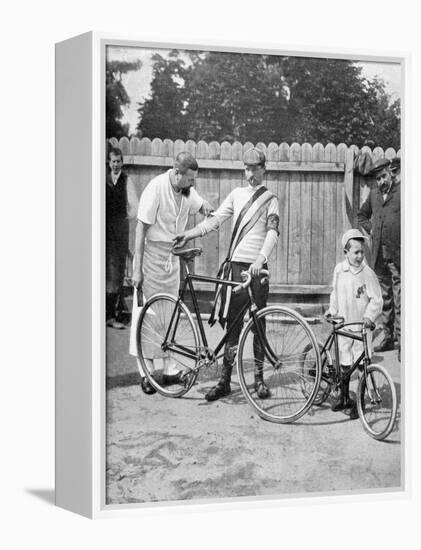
[
  {"x": 117, "y": 97},
  {"x": 162, "y": 115},
  {"x": 233, "y": 96}
]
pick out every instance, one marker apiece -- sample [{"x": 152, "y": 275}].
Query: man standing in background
[
  {"x": 380, "y": 216},
  {"x": 121, "y": 205}
]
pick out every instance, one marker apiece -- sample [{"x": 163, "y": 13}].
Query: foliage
[
  {"x": 117, "y": 97},
  {"x": 250, "y": 97}
]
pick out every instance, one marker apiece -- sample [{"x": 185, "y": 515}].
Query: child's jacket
[{"x": 356, "y": 293}]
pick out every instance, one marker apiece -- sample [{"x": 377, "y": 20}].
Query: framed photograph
[{"x": 228, "y": 304}]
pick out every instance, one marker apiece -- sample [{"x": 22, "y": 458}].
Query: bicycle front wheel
[
  {"x": 167, "y": 345},
  {"x": 287, "y": 356},
  {"x": 377, "y": 402}
]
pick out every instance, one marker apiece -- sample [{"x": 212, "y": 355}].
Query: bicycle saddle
[
  {"x": 187, "y": 253},
  {"x": 335, "y": 320}
]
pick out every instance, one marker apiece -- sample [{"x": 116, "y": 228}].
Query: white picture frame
[{"x": 80, "y": 267}]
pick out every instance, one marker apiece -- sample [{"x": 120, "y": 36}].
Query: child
[{"x": 357, "y": 297}]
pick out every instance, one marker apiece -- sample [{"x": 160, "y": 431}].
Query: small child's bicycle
[{"x": 376, "y": 393}]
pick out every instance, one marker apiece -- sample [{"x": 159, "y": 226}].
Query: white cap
[{"x": 352, "y": 234}]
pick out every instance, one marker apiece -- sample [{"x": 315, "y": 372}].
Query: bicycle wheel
[
  {"x": 280, "y": 361},
  {"x": 376, "y": 402},
  {"x": 309, "y": 372},
  {"x": 170, "y": 370}
]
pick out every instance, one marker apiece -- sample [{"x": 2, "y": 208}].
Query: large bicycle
[
  {"x": 276, "y": 342},
  {"x": 376, "y": 393}
]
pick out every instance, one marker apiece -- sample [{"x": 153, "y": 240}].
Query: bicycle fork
[{"x": 373, "y": 392}]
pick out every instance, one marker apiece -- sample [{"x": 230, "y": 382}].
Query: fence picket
[
  {"x": 378, "y": 153},
  {"x": 283, "y": 152},
  {"x": 390, "y": 153},
  {"x": 179, "y": 146},
  {"x": 145, "y": 146},
  {"x": 305, "y": 226},
  {"x": 295, "y": 152},
  {"x": 214, "y": 150},
  {"x": 226, "y": 150},
  {"x": 248, "y": 145},
  {"x": 168, "y": 148},
  {"x": 341, "y": 152},
  {"x": 202, "y": 150},
  {"x": 273, "y": 152},
  {"x": 316, "y": 239},
  {"x": 124, "y": 145},
  {"x": 330, "y": 152},
  {"x": 134, "y": 146},
  {"x": 191, "y": 147},
  {"x": 237, "y": 151},
  {"x": 157, "y": 147},
  {"x": 318, "y": 152}
]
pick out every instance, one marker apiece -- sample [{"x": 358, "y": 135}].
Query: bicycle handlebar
[{"x": 248, "y": 278}]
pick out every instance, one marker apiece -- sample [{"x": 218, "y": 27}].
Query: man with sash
[{"x": 255, "y": 214}]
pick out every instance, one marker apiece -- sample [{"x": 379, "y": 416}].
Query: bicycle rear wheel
[
  {"x": 169, "y": 366},
  {"x": 289, "y": 359},
  {"x": 377, "y": 402},
  {"x": 309, "y": 372}
]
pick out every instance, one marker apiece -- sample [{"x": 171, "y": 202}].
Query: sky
[{"x": 137, "y": 83}]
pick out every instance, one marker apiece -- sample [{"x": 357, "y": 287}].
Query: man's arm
[
  {"x": 137, "y": 277},
  {"x": 364, "y": 214},
  {"x": 333, "y": 302},
  {"x": 374, "y": 294},
  {"x": 199, "y": 204},
  {"x": 211, "y": 223},
  {"x": 271, "y": 238}
]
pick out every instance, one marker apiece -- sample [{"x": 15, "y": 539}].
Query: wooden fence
[{"x": 318, "y": 193}]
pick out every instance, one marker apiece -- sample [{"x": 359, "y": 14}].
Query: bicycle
[
  {"x": 271, "y": 344},
  {"x": 376, "y": 393}
]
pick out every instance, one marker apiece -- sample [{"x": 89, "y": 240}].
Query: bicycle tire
[
  {"x": 287, "y": 335},
  {"x": 377, "y": 418},
  {"x": 151, "y": 330}
]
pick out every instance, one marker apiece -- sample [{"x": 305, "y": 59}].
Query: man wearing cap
[
  {"x": 380, "y": 216},
  {"x": 356, "y": 296},
  {"x": 255, "y": 215}
]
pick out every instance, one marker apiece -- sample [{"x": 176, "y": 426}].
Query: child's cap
[{"x": 352, "y": 234}]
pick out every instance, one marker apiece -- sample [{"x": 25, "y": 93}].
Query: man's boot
[
  {"x": 223, "y": 387},
  {"x": 260, "y": 387}
]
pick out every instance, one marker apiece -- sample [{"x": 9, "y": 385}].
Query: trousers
[{"x": 260, "y": 294}]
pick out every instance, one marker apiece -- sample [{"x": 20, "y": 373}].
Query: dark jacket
[
  {"x": 117, "y": 223},
  {"x": 383, "y": 220}
]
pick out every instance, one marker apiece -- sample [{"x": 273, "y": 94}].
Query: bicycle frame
[
  {"x": 169, "y": 343},
  {"x": 333, "y": 339}
]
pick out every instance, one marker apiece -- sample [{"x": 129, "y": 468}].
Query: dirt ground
[{"x": 161, "y": 449}]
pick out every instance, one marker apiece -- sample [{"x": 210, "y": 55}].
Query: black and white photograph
[{"x": 254, "y": 347}]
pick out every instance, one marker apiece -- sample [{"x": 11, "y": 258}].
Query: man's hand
[
  {"x": 328, "y": 315},
  {"x": 206, "y": 209},
  {"x": 180, "y": 240},
  {"x": 137, "y": 279},
  {"x": 368, "y": 323},
  {"x": 256, "y": 267}
]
